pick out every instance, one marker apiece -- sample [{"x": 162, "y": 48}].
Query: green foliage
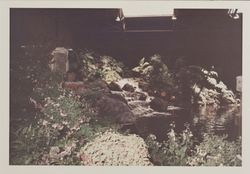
[
  {"x": 104, "y": 67},
  {"x": 57, "y": 123},
  {"x": 179, "y": 150},
  {"x": 172, "y": 152},
  {"x": 58, "y": 118},
  {"x": 64, "y": 122},
  {"x": 161, "y": 75},
  {"x": 144, "y": 68},
  {"x": 156, "y": 72},
  {"x": 216, "y": 151}
]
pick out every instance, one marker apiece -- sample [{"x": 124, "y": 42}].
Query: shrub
[
  {"x": 59, "y": 121},
  {"x": 156, "y": 72},
  {"x": 216, "y": 151},
  {"x": 179, "y": 150},
  {"x": 104, "y": 67},
  {"x": 172, "y": 152},
  {"x": 63, "y": 124}
]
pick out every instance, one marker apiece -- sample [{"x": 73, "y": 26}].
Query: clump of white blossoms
[{"x": 115, "y": 149}]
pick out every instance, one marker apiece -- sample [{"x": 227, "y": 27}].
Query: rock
[
  {"x": 126, "y": 118},
  {"x": 209, "y": 97},
  {"x": 213, "y": 74},
  {"x": 114, "y": 149},
  {"x": 114, "y": 86},
  {"x": 159, "y": 104},
  {"x": 83, "y": 87},
  {"x": 99, "y": 85},
  {"x": 73, "y": 62},
  {"x": 70, "y": 77},
  {"x": 212, "y": 81},
  {"x": 133, "y": 96},
  {"x": 147, "y": 70},
  {"x": 152, "y": 92},
  {"x": 221, "y": 86},
  {"x": 228, "y": 97},
  {"x": 239, "y": 83},
  {"x": 59, "y": 62},
  {"x": 119, "y": 97},
  {"x": 212, "y": 91},
  {"x": 142, "y": 96},
  {"x": 113, "y": 107},
  {"x": 143, "y": 85},
  {"x": 128, "y": 87}
]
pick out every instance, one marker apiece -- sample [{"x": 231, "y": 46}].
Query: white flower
[
  {"x": 204, "y": 71},
  {"x": 62, "y": 113},
  {"x": 57, "y": 105},
  {"x": 213, "y": 73},
  {"x": 45, "y": 123},
  {"x": 221, "y": 85},
  {"x": 55, "y": 125},
  {"x": 65, "y": 122},
  {"x": 212, "y": 81},
  {"x": 53, "y": 153}
]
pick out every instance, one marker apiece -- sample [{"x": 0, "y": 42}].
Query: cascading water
[{"x": 201, "y": 120}]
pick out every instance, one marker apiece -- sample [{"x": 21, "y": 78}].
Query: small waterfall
[
  {"x": 202, "y": 120},
  {"x": 139, "y": 107}
]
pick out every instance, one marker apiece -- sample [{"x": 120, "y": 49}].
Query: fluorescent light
[{"x": 137, "y": 11}]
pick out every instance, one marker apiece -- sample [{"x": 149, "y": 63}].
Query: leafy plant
[
  {"x": 216, "y": 151},
  {"x": 179, "y": 150},
  {"x": 172, "y": 152},
  {"x": 104, "y": 67}
]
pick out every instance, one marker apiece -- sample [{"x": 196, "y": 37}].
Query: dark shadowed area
[{"x": 204, "y": 37}]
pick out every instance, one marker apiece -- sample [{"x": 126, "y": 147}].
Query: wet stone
[
  {"x": 159, "y": 104},
  {"x": 128, "y": 87},
  {"x": 113, "y": 106},
  {"x": 114, "y": 86},
  {"x": 142, "y": 96},
  {"x": 143, "y": 85}
]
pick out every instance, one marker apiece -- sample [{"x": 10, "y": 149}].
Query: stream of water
[{"x": 219, "y": 121}]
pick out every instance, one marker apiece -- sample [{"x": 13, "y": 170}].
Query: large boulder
[
  {"x": 115, "y": 107},
  {"x": 59, "y": 62},
  {"x": 113, "y": 86},
  {"x": 99, "y": 85},
  {"x": 118, "y": 97},
  {"x": 159, "y": 104},
  {"x": 85, "y": 87},
  {"x": 209, "y": 97}
]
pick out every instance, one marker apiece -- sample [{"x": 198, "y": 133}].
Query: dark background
[{"x": 204, "y": 37}]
